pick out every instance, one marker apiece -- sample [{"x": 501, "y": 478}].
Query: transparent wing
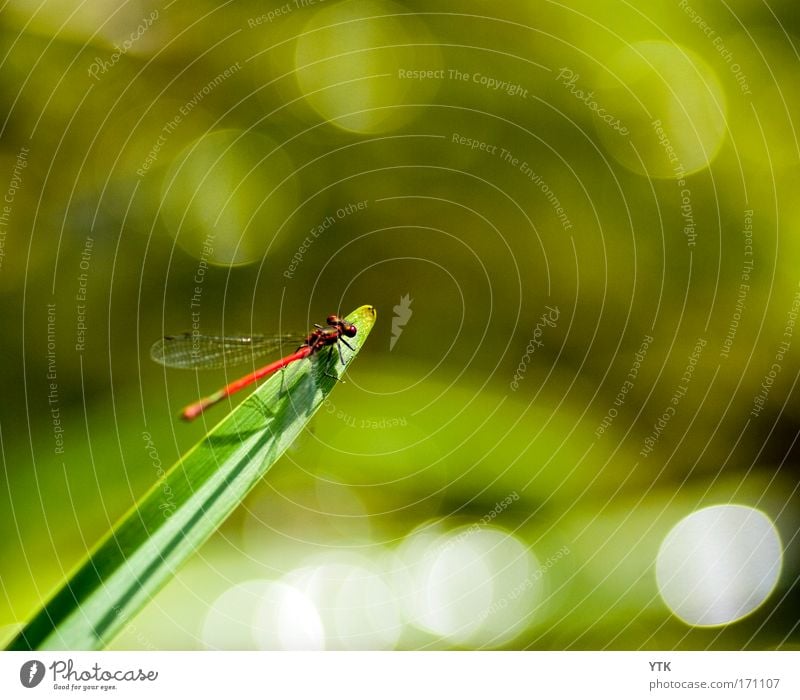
[{"x": 191, "y": 351}]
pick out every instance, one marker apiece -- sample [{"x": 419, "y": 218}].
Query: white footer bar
[{"x": 401, "y": 675}]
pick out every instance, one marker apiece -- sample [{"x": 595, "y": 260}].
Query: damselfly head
[{"x": 345, "y": 328}]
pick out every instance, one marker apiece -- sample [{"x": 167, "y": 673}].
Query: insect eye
[{"x": 348, "y": 329}]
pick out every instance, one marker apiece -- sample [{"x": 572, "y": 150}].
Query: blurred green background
[{"x": 543, "y": 200}]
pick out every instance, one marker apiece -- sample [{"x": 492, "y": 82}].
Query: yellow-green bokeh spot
[
  {"x": 351, "y": 59},
  {"x": 226, "y": 196},
  {"x": 673, "y": 104}
]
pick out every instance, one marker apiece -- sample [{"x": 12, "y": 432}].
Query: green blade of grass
[{"x": 180, "y": 512}]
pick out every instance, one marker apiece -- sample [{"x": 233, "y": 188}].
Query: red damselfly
[{"x": 193, "y": 351}]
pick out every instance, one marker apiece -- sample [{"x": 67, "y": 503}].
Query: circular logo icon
[{"x": 31, "y": 673}]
